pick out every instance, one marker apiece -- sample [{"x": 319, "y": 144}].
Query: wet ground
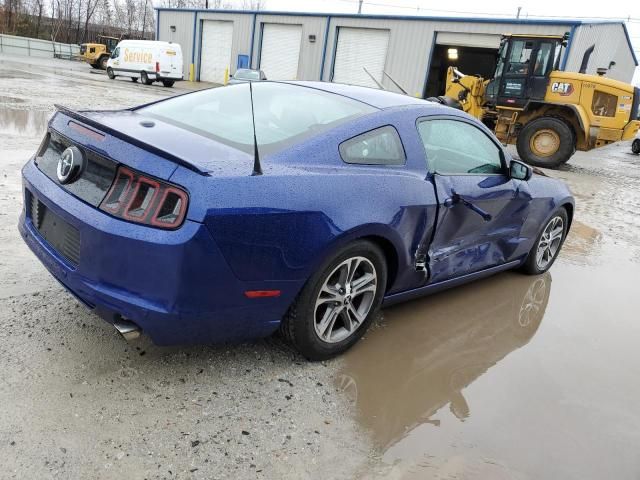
[
  {"x": 519, "y": 377},
  {"x": 513, "y": 377}
]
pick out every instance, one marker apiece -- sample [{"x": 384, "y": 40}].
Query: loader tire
[
  {"x": 103, "y": 62},
  {"x": 546, "y": 142},
  {"x": 635, "y": 146}
]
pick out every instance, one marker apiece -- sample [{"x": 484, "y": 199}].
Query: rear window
[{"x": 284, "y": 114}]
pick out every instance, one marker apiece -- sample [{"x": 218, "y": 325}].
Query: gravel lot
[
  {"x": 510, "y": 377},
  {"x": 79, "y": 402}
]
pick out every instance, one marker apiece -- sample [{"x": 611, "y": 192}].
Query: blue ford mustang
[{"x": 225, "y": 214}]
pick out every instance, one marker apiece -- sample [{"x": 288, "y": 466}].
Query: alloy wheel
[
  {"x": 549, "y": 243},
  {"x": 345, "y": 299}
]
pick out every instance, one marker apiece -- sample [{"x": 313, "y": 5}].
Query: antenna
[{"x": 257, "y": 170}]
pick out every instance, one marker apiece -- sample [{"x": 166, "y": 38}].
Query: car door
[{"x": 480, "y": 208}]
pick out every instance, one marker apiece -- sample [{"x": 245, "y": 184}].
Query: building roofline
[
  {"x": 532, "y": 21},
  {"x": 626, "y": 34}
]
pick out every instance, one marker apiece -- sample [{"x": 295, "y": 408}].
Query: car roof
[{"x": 371, "y": 96}]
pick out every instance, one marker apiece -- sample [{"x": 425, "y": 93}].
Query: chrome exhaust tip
[{"x": 128, "y": 330}]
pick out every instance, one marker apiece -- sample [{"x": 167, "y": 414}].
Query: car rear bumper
[{"x": 175, "y": 285}]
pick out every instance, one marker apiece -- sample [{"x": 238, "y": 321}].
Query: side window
[
  {"x": 381, "y": 146},
  {"x": 604, "y": 104},
  {"x": 456, "y": 147}
]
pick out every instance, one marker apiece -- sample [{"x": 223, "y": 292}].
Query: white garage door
[
  {"x": 358, "y": 48},
  {"x": 280, "y": 51},
  {"x": 480, "y": 40},
  {"x": 216, "y": 50}
]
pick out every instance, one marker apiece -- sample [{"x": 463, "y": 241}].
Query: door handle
[{"x": 457, "y": 198}]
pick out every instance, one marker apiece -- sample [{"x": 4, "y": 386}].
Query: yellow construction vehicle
[
  {"x": 547, "y": 113},
  {"x": 97, "y": 54}
]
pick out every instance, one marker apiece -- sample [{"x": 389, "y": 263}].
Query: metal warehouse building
[{"x": 415, "y": 51}]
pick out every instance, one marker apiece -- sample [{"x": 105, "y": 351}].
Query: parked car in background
[
  {"x": 244, "y": 75},
  {"x": 147, "y": 60},
  {"x": 169, "y": 219}
]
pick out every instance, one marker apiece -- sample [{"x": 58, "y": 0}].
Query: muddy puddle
[
  {"x": 23, "y": 123},
  {"x": 510, "y": 377}
]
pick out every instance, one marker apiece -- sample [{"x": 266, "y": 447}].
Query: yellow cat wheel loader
[
  {"x": 547, "y": 113},
  {"x": 97, "y": 54}
]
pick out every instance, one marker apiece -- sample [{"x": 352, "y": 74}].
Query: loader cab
[{"x": 523, "y": 69}]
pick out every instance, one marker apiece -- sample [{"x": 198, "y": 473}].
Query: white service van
[{"x": 147, "y": 60}]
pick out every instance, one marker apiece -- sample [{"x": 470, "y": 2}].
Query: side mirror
[{"x": 520, "y": 171}]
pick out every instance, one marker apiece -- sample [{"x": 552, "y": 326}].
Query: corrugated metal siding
[
  {"x": 411, "y": 41},
  {"x": 241, "y": 34},
  {"x": 310, "y": 53},
  {"x": 183, "y": 21},
  {"x": 610, "y": 45}
]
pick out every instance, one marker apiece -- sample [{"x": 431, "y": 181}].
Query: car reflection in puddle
[{"x": 426, "y": 352}]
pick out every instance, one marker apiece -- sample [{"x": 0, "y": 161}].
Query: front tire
[
  {"x": 338, "y": 303},
  {"x": 546, "y": 142},
  {"x": 110, "y": 73},
  {"x": 547, "y": 246},
  {"x": 103, "y": 62},
  {"x": 168, "y": 83}
]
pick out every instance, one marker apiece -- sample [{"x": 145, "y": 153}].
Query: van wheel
[
  {"x": 145, "y": 78},
  {"x": 110, "y": 73},
  {"x": 134, "y": 79},
  {"x": 168, "y": 83},
  {"x": 103, "y": 62}
]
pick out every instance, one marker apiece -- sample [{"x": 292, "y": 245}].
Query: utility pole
[
  {"x": 518, "y": 14},
  {"x": 359, "y": 7}
]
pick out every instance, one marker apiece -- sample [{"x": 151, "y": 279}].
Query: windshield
[
  {"x": 248, "y": 74},
  {"x": 284, "y": 114}
]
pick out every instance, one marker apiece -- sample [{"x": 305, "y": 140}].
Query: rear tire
[
  {"x": 546, "y": 142},
  {"x": 134, "y": 79},
  {"x": 548, "y": 242},
  {"x": 144, "y": 78},
  {"x": 103, "y": 62},
  {"x": 333, "y": 311},
  {"x": 110, "y": 73},
  {"x": 168, "y": 83},
  {"x": 635, "y": 146}
]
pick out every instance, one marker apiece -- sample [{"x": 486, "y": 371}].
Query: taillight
[
  {"x": 157, "y": 67},
  {"x": 145, "y": 200}
]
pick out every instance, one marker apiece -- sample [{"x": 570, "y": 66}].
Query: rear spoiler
[{"x": 134, "y": 141}]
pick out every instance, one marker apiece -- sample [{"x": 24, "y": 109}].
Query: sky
[{"x": 612, "y": 9}]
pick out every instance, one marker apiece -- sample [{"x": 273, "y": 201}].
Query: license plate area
[{"x": 63, "y": 237}]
